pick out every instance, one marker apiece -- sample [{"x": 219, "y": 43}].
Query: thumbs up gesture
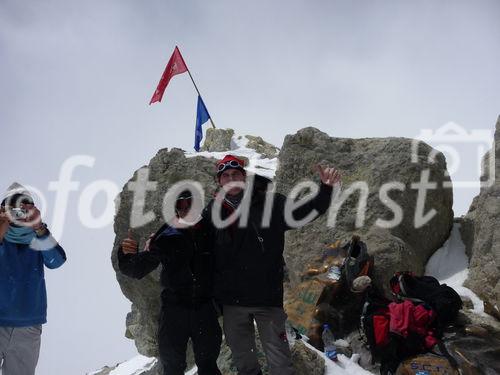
[
  {"x": 329, "y": 176},
  {"x": 129, "y": 245}
]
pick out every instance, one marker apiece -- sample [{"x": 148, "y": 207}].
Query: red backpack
[
  {"x": 395, "y": 331},
  {"x": 443, "y": 299}
]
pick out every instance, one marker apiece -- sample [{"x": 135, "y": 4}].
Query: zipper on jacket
[{"x": 259, "y": 237}]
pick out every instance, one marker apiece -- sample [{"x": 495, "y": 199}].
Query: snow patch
[
  {"x": 344, "y": 365},
  {"x": 450, "y": 266},
  {"x": 239, "y": 141},
  {"x": 133, "y": 366},
  {"x": 256, "y": 162}
]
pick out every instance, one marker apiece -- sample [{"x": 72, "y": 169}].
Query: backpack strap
[
  {"x": 401, "y": 285},
  {"x": 414, "y": 300},
  {"x": 399, "y": 289}
]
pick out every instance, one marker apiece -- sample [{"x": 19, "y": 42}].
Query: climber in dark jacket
[
  {"x": 249, "y": 262},
  {"x": 188, "y": 310}
]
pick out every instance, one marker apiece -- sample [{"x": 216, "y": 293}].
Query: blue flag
[{"x": 202, "y": 116}]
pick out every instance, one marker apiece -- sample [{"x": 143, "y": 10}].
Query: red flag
[{"x": 176, "y": 65}]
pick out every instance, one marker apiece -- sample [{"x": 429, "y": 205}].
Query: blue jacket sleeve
[{"x": 54, "y": 256}]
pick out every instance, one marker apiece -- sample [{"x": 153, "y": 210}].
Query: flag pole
[{"x": 198, "y": 91}]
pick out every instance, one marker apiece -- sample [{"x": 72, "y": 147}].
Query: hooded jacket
[{"x": 249, "y": 263}]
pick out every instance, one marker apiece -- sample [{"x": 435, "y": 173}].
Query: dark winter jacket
[
  {"x": 187, "y": 264},
  {"x": 249, "y": 264}
]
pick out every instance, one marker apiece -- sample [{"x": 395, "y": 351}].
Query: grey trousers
[
  {"x": 19, "y": 349},
  {"x": 240, "y": 336}
]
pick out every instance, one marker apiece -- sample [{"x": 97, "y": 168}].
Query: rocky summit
[{"x": 393, "y": 196}]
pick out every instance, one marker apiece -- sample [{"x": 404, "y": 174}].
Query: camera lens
[{"x": 18, "y": 213}]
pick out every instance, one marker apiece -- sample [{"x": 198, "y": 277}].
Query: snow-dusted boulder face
[
  {"x": 221, "y": 140},
  {"x": 369, "y": 163},
  {"x": 480, "y": 230}
]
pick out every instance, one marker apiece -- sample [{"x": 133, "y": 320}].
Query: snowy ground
[
  {"x": 134, "y": 366},
  {"x": 344, "y": 366}
]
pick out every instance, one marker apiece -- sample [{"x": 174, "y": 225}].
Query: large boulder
[
  {"x": 267, "y": 150},
  {"x": 474, "y": 341},
  {"x": 306, "y": 361},
  {"x": 369, "y": 163},
  {"x": 482, "y": 237},
  {"x": 217, "y": 140}
]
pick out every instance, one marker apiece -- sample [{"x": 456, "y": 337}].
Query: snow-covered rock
[{"x": 239, "y": 146}]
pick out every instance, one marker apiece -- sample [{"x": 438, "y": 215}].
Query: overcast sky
[{"x": 76, "y": 78}]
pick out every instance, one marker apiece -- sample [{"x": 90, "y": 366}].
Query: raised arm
[
  {"x": 52, "y": 253},
  {"x": 54, "y": 256},
  {"x": 133, "y": 263},
  {"x": 330, "y": 177}
]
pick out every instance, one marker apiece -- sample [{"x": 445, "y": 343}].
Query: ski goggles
[{"x": 221, "y": 167}]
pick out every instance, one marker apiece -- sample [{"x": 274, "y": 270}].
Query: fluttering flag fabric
[
  {"x": 175, "y": 65},
  {"x": 202, "y": 116}
]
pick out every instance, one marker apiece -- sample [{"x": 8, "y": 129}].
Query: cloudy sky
[{"x": 76, "y": 79}]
